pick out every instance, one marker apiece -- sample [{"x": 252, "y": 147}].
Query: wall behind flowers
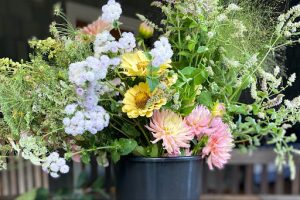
[{"x": 20, "y": 20}]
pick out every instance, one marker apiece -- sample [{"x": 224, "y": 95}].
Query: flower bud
[
  {"x": 146, "y": 30},
  {"x": 218, "y": 110}
]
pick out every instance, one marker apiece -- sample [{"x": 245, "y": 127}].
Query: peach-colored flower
[
  {"x": 96, "y": 27},
  {"x": 170, "y": 128},
  {"x": 198, "y": 120},
  {"x": 76, "y": 157},
  {"x": 219, "y": 145}
]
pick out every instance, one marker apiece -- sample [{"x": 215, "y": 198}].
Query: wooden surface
[{"x": 250, "y": 197}]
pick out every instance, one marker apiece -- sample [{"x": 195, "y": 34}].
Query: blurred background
[{"x": 248, "y": 176}]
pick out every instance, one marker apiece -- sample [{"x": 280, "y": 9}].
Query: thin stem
[
  {"x": 143, "y": 131},
  {"x": 118, "y": 130},
  {"x": 94, "y": 149},
  {"x": 258, "y": 66}
]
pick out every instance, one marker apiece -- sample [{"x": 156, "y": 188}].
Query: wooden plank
[
  {"x": 13, "y": 176},
  {"x": 220, "y": 184},
  {"x": 259, "y": 156},
  {"x": 279, "y": 184},
  {"x": 37, "y": 176},
  {"x": 279, "y": 197},
  {"x": 249, "y": 179},
  {"x": 235, "y": 189},
  {"x": 229, "y": 197},
  {"x": 249, "y": 197},
  {"x": 204, "y": 179},
  {"x": 264, "y": 180},
  {"x": 5, "y": 183},
  {"x": 21, "y": 174},
  {"x": 77, "y": 169},
  {"x": 29, "y": 175},
  {"x": 45, "y": 180},
  {"x": 296, "y": 181}
]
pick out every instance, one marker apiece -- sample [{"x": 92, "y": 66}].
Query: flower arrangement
[{"x": 84, "y": 92}]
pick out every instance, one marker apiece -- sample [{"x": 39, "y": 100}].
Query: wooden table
[{"x": 250, "y": 197}]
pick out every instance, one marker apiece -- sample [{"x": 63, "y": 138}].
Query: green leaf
[
  {"x": 202, "y": 49},
  {"x": 115, "y": 156},
  {"x": 85, "y": 158},
  {"x": 191, "y": 45},
  {"x": 184, "y": 53},
  {"x": 188, "y": 71},
  {"x": 152, "y": 82},
  {"x": 205, "y": 99},
  {"x": 153, "y": 151},
  {"x": 98, "y": 184},
  {"x": 130, "y": 130},
  {"x": 35, "y": 194},
  {"x": 126, "y": 146},
  {"x": 140, "y": 151},
  {"x": 200, "y": 76},
  {"x": 82, "y": 179}
]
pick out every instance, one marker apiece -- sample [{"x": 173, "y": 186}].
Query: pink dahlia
[
  {"x": 219, "y": 146},
  {"x": 96, "y": 27},
  {"x": 199, "y": 120},
  {"x": 171, "y": 129}
]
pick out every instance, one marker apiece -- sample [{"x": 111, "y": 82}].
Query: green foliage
[{"x": 35, "y": 194}]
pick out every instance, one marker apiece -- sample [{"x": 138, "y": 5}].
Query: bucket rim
[{"x": 163, "y": 159}]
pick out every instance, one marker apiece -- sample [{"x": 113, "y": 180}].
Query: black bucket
[{"x": 177, "y": 178}]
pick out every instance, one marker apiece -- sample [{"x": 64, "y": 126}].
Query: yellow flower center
[
  {"x": 141, "y": 99},
  {"x": 143, "y": 65}
]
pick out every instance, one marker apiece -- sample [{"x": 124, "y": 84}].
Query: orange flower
[{"x": 96, "y": 27}]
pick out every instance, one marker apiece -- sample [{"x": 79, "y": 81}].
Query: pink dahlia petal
[
  {"x": 198, "y": 120},
  {"x": 168, "y": 127},
  {"x": 219, "y": 146}
]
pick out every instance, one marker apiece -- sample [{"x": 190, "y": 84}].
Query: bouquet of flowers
[{"x": 85, "y": 92}]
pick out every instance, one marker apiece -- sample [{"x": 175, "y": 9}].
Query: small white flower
[
  {"x": 64, "y": 169},
  {"x": 53, "y": 157},
  {"x": 261, "y": 115},
  {"x": 291, "y": 79},
  {"x": 127, "y": 42},
  {"x": 54, "y": 175},
  {"x": 233, "y": 7},
  {"x": 54, "y": 167},
  {"x": 66, "y": 121},
  {"x": 210, "y": 34},
  {"x": 60, "y": 162},
  {"x": 111, "y": 11},
  {"x": 222, "y": 17},
  {"x": 162, "y": 52},
  {"x": 276, "y": 71},
  {"x": 70, "y": 109}
]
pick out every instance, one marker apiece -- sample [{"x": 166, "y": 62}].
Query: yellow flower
[
  {"x": 135, "y": 64},
  {"x": 137, "y": 101},
  {"x": 171, "y": 80},
  {"x": 218, "y": 110}
]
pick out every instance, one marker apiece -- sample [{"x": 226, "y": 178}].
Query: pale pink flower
[
  {"x": 184, "y": 152},
  {"x": 96, "y": 27},
  {"x": 219, "y": 146},
  {"x": 198, "y": 120},
  {"x": 170, "y": 128}
]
